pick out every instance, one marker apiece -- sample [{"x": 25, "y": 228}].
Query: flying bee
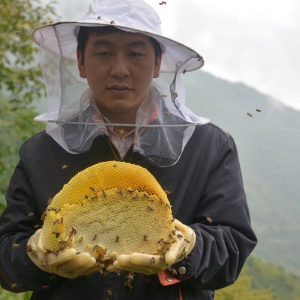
[
  {"x": 15, "y": 245},
  {"x": 152, "y": 260},
  {"x": 64, "y": 167},
  {"x": 150, "y": 208},
  {"x": 209, "y": 220},
  {"x": 31, "y": 214},
  {"x": 259, "y": 110},
  {"x": 112, "y": 22},
  {"x": 99, "y": 18},
  {"x": 167, "y": 192},
  {"x": 56, "y": 233},
  {"x": 250, "y": 115}
]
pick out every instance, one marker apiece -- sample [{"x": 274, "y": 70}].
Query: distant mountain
[{"x": 269, "y": 150}]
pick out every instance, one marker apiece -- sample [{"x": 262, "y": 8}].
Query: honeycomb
[{"x": 108, "y": 209}]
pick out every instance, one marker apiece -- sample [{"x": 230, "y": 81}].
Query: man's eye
[
  {"x": 135, "y": 54},
  {"x": 104, "y": 53}
]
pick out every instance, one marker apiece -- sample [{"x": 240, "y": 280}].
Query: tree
[{"x": 21, "y": 80}]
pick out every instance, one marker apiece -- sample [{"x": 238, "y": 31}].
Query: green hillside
[{"x": 269, "y": 149}]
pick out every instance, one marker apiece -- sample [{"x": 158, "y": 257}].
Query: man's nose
[{"x": 119, "y": 67}]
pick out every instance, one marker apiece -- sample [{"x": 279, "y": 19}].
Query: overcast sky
[{"x": 256, "y": 42}]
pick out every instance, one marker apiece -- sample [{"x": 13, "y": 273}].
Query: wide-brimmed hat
[{"x": 131, "y": 16}]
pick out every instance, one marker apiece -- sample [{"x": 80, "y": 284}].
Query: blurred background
[{"x": 249, "y": 86}]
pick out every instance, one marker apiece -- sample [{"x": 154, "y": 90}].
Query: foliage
[
  {"x": 5, "y": 295},
  {"x": 261, "y": 280},
  {"x": 20, "y": 75}
]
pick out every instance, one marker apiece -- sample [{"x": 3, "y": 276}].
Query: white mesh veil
[{"x": 71, "y": 109}]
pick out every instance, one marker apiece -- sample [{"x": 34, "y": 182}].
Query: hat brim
[{"x": 61, "y": 39}]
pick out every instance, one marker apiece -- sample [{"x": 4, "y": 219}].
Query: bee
[
  {"x": 162, "y": 257},
  {"x": 56, "y": 233},
  {"x": 105, "y": 251},
  {"x": 130, "y": 276},
  {"x": 63, "y": 245},
  {"x": 57, "y": 210},
  {"x": 112, "y": 22},
  {"x": 117, "y": 238},
  {"x": 145, "y": 237},
  {"x": 15, "y": 245},
  {"x": 56, "y": 222},
  {"x": 93, "y": 189},
  {"x": 96, "y": 247},
  {"x": 168, "y": 268},
  {"x": 36, "y": 226},
  {"x": 104, "y": 194},
  {"x": 135, "y": 196},
  {"x": 49, "y": 201},
  {"x": 28, "y": 248},
  {"x": 176, "y": 95},
  {"x": 152, "y": 260},
  {"x": 164, "y": 96},
  {"x": 259, "y": 110},
  {"x": 93, "y": 197},
  {"x": 184, "y": 71},
  {"x": 73, "y": 232},
  {"x": 162, "y": 201},
  {"x": 43, "y": 216},
  {"x": 113, "y": 256},
  {"x": 109, "y": 291},
  {"x": 200, "y": 58},
  {"x": 250, "y": 115},
  {"x": 209, "y": 220},
  {"x": 167, "y": 192},
  {"x": 180, "y": 236},
  {"x": 95, "y": 236},
  {"x": 86, "y": 197},
  {"x": 187, "y": 241},
  {"x": 64, "y": 167},
  {"x": 150, "y": 208},
  {"x": 14, "y": 285},
  {"x": 170, "y": 236},
  {"x": 131, "y": 191},
  {"x": 173, "y": 220},
  {"x": 55, "y": 252},
  {"x": 160, "y": 241},
  {"x": 168, "y": 206},
  {"x": 146, "y": 195},
  {"x": 31, "y": 214},
  {"x": 80, "y": 239},
  {"x": 167, "y": 243},
  {"x": 173, "y": 232},
  {"x": 99, "y": 18},
  {"x": 78, "y": 252},
  {"x": 115, "y": 166},
  {"x": 176, "y": 228},
  {"x": 167, "y": 113},
  {"x": 18, "y": 32}
]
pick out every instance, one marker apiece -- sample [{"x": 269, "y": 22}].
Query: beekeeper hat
[{"x": 68, "y": 94}]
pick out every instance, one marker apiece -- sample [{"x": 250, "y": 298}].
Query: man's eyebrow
[
  {"x": 101, "y": 43},
  {"x": 137, "y": 43}
]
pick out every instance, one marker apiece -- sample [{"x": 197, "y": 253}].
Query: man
[{"x": 126, "y": 103}]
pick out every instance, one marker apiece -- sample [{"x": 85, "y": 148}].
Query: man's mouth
[{"x": 120, "y": 88}]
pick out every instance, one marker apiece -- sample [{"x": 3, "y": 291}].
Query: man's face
[{"x": 119, "y": 68}]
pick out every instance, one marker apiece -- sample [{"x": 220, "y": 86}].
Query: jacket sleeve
[
  {"x": 19, "y": 220},
  {"x": 222, "y": 226}
]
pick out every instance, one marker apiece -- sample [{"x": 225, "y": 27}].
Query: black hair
[{"x": 84, "y": 33}]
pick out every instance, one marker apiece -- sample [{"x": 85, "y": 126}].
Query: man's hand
[
  {"x": 66, "y": 263},
  {"x": 185, "y": 239}
]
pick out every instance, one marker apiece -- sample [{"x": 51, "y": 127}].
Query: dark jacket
[{"x": 206, "y": 193}]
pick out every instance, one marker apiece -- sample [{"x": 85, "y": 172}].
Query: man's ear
[
  {"x": 81, "y": 67},
  {"x": 157, "y": 66}
]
